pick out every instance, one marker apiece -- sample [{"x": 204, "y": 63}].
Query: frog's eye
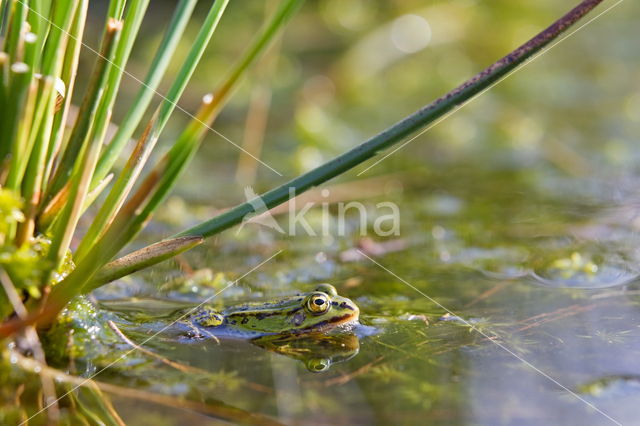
[
  {"x": 327, "y": 288},
  {"x": 318, "y": 303},
  {"x": 318, "y": 365}
]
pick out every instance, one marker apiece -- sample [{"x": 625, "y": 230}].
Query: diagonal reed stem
[
  {"x": 397, "y": 132},
  {"x": 66, "y": 289}
]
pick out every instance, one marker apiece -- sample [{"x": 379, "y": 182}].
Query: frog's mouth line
[{"x": 330, "y": 323}]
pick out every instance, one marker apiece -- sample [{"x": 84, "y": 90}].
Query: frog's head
[
  {"x": 320, "y": 310},
  {"x": 324, "y": 309}
]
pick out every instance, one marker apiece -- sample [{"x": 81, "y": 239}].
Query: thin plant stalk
[
  {"x": 4, "y": 14},
  {"x": 68, "y": 77},
  {"x": 51, "y": 62},
  {"x": 25, "y": 94},
  {"x": 148, "y": 88},
  {"x": 395, "y": 133},
  {"x": 52, "y": 66},
  {"x": 15, "y": 129},
  {"x": 13, "y": 41},
  {"x": 99, "y": 117},
  {"x": 148, "y": 139},
  {"x": 33, "y": 179},
  {"x": 81, "y": 178}
]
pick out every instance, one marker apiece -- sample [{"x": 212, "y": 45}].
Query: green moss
[
  {"x": 80, "y": 331},
  {"x": 26, "y": 265}
]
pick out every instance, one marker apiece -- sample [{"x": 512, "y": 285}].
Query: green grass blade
[
  {"x": 4, "y": 66},
  {"x": 99, "y": 117},
  {"x": 38, "y": 102},
  {"x": 121, "y": 188},
  {"x": 21, "y": 148},
  {"x": 13, "y": 41},
  {"x": 148, "y": 89},
  {"x": 162, "y": 178},
  {"x": 5, "y": 144},
  {"x": 38, "y": 138},
  {"x": 39, "y": 26},
  {"x": 65, "y": 226},
  {"x": 38, "y": 11},
  {"x": 147, "y": 141},
  {"x": 16, "y": 115},
  {"x": 33, "y": 178},
  {"x": 52, "y": 54},
  {"x": 116, "y": 9},
  {"x": 137, "y": 260},
  {"x": 4, "y": 16},
  {"x": 68, "y": 77}
]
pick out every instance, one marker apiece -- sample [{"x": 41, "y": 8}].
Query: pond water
[
  {"x": 510, "y": 295},
  {"x": 515, "y": 306}
]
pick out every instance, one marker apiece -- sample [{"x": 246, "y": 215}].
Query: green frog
[{"x": 319, "y": 311}]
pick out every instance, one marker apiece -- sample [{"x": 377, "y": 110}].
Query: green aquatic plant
[
  {"x": 53, "y": 168},
  {"x": 57, "y": 171}
]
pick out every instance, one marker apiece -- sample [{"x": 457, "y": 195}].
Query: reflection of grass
[{"x": 611, "y": 336}]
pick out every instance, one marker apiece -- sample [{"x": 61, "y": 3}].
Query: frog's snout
[{"x": 349, "y": 310}]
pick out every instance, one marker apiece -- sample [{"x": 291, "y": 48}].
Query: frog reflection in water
[
  {"x": 303, "y": 327},
  {"x": 317, "y": 351}
]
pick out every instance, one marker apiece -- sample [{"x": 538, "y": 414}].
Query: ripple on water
[{"x": 579, "y": 267}]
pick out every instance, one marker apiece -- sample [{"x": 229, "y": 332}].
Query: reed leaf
[
  {"x": 62, "y": 233},
  {"x": 90, "y": 112},
  {"x": 14, "y": 40},
  {"x": 148, "y": 88},
  {"x": 136, "y": 212},
  {"x": 67, "y": 76},
  {"x": 148, "y": 139},
  {"x": 137, "y": 260},
  {"x": 394, "y": 134}
]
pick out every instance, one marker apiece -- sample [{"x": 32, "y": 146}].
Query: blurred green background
[{"x": 345, "y": 70}]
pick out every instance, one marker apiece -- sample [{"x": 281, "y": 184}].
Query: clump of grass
[{"x": 53, "y": 172}]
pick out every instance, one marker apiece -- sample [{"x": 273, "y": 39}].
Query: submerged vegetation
[{"x": 67, "y": 210}]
